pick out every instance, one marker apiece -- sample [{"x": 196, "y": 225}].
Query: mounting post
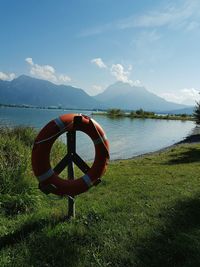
[{"x": 71, "y": 146}]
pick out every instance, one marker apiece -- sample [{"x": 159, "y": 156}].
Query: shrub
[
  {"x": 140, "y": 112},
  {"x": 17, "y": 204},
  {"x": 26, "y": 135},
  {"x": 115, "y": 112},
  {"x": 16, "y": 193},
  {"x": 16, "y": 180},
  {"x": 132, "y": 114},
  {"x": 196, "y": 113},
  {"x": 13, "y": 165}
]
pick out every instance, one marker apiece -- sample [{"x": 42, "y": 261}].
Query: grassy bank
[
  {"x": 144, "y": 213},
  {"x": 141, "y": 114}
]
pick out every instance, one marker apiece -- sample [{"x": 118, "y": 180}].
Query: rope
[
  {"x": 57, "y": 134},
  {"x": 52, "y": 136}
]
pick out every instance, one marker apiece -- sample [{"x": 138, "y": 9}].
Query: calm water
[{"x": 128, "y": 137}]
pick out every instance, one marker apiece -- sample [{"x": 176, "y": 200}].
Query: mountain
[
  {"x": 189, "y": 110},
  {"x": 35, "y": 92},
  {"x": 124, "y": 96}
]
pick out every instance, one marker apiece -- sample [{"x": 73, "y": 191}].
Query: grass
[{"x": 146, "y": 212}]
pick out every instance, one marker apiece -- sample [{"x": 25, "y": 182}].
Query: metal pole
[{"x": 71, "y": 146}]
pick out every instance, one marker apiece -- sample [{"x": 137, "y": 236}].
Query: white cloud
[
  {"x": 64, "y": 78},
  {"x": 96, "y": 89},
  {"x": 46, "y": 72},
  {"x": 96, "y": 30},
  {"x": 183, "y": 14},
  {"x": 146, "y": 38},
  {"x": 184, "y": 96},
  {"x": 193, "y": 25},
  {"x": 118, "y": 71},
  {"x": 130, "y": 67},
  {"x": 99, "y": 62},
  {"x": 137, "y": 83},
  {"x": 172, "y": 16},
  {"x": 29, "y": 60},
  {"x": 7, "y": 76}
]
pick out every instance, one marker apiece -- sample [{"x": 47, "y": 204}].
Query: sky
[{"x": 91, "y": 44}]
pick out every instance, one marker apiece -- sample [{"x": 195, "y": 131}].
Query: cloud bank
[
  {"x": 184, "y": 15},
  {"x": 46, "y": 72},
  {"x": 7, "y": 76},
  {"x": 187, "y": 96},
  {"x": 117, "y": 70},
  {"x": 99, "y": 62}
]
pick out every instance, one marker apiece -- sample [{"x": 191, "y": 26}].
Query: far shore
[
  {"x": 145, "y": 115},
  {"x": 102, "y": 112},
  {"x": 44, "y": 107}
]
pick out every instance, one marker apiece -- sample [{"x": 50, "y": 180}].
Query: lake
[{"x": 127, "y": 137}]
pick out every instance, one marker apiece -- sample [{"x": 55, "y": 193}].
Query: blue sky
[{"x": 94, "y": 43}]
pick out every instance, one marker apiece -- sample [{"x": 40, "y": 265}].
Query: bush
[
  {"x": 17, "y": 185},
  {"x": 132, "y": 114},
  {"x": 14, "y": 158},
  {"x": 196, "y": 113},
  {"x": 17, "y": 204},
  {"x": 16, "y": 193},
  {"x": 26, "y": 135},
  {"x": 140, "y": 112},
  {"x": 115, "y": 112},
  {"x": 184, "y": 115}
]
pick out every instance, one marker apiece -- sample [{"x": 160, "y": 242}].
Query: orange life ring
[{"x": 41, "y": 154}]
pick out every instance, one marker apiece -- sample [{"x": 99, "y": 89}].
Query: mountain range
[
  {"x": 26, "y": 90},
  {"x": 35, "y": 92}
]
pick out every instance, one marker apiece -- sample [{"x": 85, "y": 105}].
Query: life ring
[{"x": 42, "y": 169}]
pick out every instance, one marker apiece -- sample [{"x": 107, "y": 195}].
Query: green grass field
[{"x": 146, "y": 212}]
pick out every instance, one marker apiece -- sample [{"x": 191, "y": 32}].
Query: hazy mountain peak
[
  {"x": 126, "y": 96},
  {"x": 26, "y": 78},
  {"x": 23, "y": 77},
  {"x": 119, "y": 89}
]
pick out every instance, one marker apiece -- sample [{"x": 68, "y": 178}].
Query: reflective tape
[
  {"x": 45, "y": 175},
  {"x": 100, "y": 140},
  {"x": 60, "y": 123},
  {"x": 87, "y": 180}
]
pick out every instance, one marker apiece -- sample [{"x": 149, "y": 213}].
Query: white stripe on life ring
[
  {"x": 45, "y": 175},
  {"x": 100, "y": 140},
  {"x": 60, "y": 123},
  {"x": 87, "y": 180}
]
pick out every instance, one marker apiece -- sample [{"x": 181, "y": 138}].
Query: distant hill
[
  {"x": 189, "y": 110},
  {"x": 124, "y": 96},
  {"x": 36, "y": 92}
]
